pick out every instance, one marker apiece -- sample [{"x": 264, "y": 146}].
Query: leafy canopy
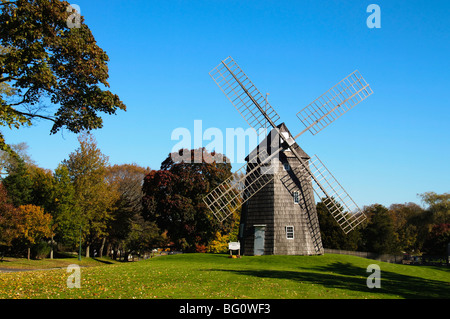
[
  {"x": 51, "y": 71},
  {"x": 173, "y": 198}
]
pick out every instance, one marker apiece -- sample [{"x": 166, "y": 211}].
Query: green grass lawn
[{"x": 217, "y": 276}]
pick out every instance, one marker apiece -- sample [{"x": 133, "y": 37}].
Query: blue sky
[{"x": 386, "y": 150}]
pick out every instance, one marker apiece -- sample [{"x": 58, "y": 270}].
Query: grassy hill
[{"x": 217, "y": 276}]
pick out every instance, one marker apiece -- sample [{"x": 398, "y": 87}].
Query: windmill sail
[
  {"x": 334, "y": 103},
  {"x": 240, "y": 187},
  {"x": 337, "y": 201},
  {"x": 243, "y": 94}
]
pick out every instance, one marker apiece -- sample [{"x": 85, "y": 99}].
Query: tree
[
  {"x": 141, "y": 236},
  {"x": 332, "y": 235},
  {"x": 32, "y": 225},
  {"x": 438, "y": 239},
  {"x": 18, "y": 183},
  {"x": 220, "y": 242},
  {"x": 438, "y": 206},
  {"x": 8, "y": 160},
  {"x": 127, "y": 229},
  {"x": 8, "y": 215},
  {"x": 42, "y": 187},
  {"x": 51, "y": 70},
  {"x": 65, "y": 211},
  {"x": 127, "y": 179},
  {"x": 403, "y": 217},
  {"x": 93, "y": 195},
  {"x": 173, "y": 198},
  {"x": 379, "y": 235}
]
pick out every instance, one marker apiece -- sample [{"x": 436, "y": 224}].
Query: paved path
[
  {"x": 13, "y": 270},
  {"x": 5, "y": 270}
]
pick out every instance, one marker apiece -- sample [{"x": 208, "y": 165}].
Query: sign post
[{"x": 234, "y": 246}]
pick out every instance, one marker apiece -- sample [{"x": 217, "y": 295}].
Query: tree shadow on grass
[
  {"x": 103, "y": 261},
  {"x": 349, "y": 277}
]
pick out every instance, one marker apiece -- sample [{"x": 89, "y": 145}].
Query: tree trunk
[
  {"x": 29, "y": 250},
  {"x": 100, "y": 253},
  {"x": 87, "y": 251},
  {"x": 108, "y": 250},
  {"x": 51, "y": 249}
]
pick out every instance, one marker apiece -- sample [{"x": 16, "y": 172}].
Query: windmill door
[{"x": 258, "y": 246}]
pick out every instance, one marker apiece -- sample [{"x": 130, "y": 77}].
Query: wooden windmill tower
[{"x": 276, "y": 187}]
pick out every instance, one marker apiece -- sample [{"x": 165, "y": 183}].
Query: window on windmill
[
  {"x": 296, "y": 197},
  {"x": 286, "y": 166},
  {"x": 289, "y": 232}
]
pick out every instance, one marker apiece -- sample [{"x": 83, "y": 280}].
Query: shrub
[
  {"x": 40, "y": 250},
  {"x": 199, "y": 248},
  {"x": 219, "y": 244}
]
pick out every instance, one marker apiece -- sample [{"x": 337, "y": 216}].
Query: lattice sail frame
[
  {"x": 247, "y": 99},
  {"x": 334, "y": 103},
  {"x": 226, "y": 198},
  {"x": 338, "y": 202},
  {"x": 238, "y": 88}
]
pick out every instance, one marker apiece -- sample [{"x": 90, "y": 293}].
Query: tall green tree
[
  {"x": 65, "y": 211},
  {"x": 19, "y": 182},
  {"x": 94, "y": 197},
  {"x": 51, "y": 69},
  {"x": 379, "y": 235},
  {"x": 141, "y": 236},
  {"x": 19, "y": 150},
  {"x": 42, "y": 188},
  {"x": 332, "y": 235},
  {"x": 408, "y": 232}
]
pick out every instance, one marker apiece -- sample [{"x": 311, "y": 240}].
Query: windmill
[{"x": 278, "y": 203}]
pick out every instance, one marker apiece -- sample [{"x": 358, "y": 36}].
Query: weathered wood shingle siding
[{"x": 274, "y": 207}]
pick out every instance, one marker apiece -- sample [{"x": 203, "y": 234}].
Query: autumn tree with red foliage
[
  {"x": 173, "y": 198},
  {"x": 7, "y": 217}
]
